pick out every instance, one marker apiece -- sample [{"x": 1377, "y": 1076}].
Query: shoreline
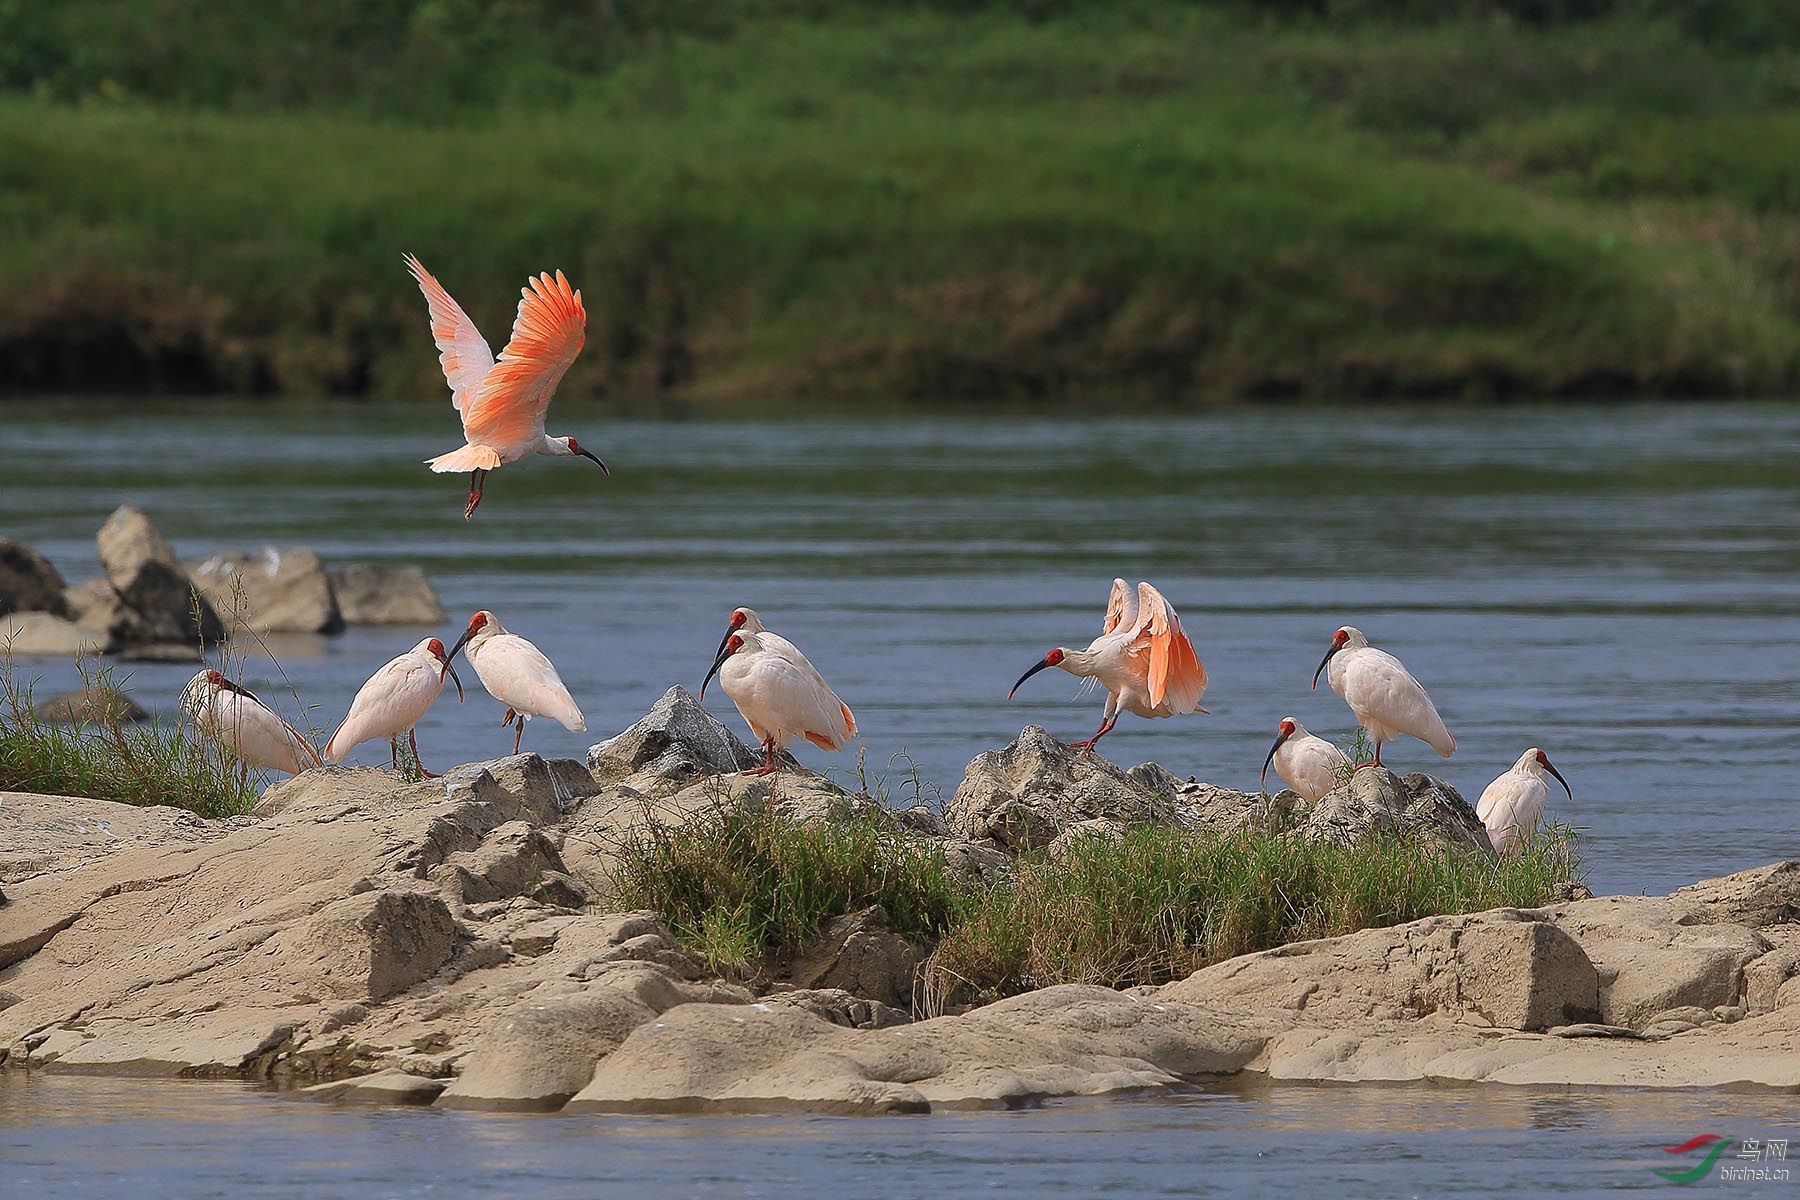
[{"x": 442, "y": 942}]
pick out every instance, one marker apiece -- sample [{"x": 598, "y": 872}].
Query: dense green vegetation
[
  {"x": 106, "y": 757},
  {"x": 745, "y": 888},
  {"x": 780, "y": 200}
]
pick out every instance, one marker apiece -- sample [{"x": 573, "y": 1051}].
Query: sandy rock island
[{"x": 441, "y": 942}]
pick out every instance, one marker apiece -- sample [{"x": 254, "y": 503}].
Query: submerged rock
[
  {"x": 273, "y": 590},
  {"x": 28, "y": 583},
  {"x": 92, "y": 705}
]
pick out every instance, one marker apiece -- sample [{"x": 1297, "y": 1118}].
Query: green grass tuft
[
  {"x": 744, "y": 888},
  {"x": 107, "y": 759}
]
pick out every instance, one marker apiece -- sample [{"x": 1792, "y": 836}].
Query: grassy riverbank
[{"x": 766, "y": 206}]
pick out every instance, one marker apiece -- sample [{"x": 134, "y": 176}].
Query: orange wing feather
[
  {"x": 1175, "y": 670},
  {"x": 1116, "y": 602},
  {"x": 546, "y": 336}
]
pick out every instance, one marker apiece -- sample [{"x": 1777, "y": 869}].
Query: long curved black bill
[
  {"x": 597, "y": 462},
  {"x": 718, "y": 661},
  {"x": 1041, "y": 664},
  {"x": 455, "y": 676},
  {"x": 1264, "y": 777},
  {"x": 1559, "y": 779},
  {"x": 460, "y": 643},
  {"x": 1322, "y": 662}
]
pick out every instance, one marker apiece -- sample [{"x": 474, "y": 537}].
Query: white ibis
[
  {"x": 232, "y": 716},
  {"x": 1142, "y": 658},
  {"x": 503, "y": 402},
  {"x": 1385, "y": 697},
  {"x": 1306, "y": 762},
  {"x": 1513, "y": 804},
  {"x": 517, "y": 674},
  {"x": 745, "y": 619},
  {"x": 393, "y": 701},
  {"x": 779, "y": 694}
]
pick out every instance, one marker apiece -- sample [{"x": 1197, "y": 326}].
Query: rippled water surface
[
  {"x": 1618, "y": 585},
  {"x": 67, "y": 1136}
]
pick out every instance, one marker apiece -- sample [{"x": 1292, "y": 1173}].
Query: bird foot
[
  {"x": 765, "y": 769},
  {"x": 508, "y": 718}
]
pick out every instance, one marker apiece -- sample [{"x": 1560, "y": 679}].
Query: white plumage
[
  {"x": 780, "y": 694},
  {"x": 1382, "y": 693},
  {"x": 1513, "y": 804},
  {"x": 393, "y": 701},
  {"x": 1306, "y": 762},
  {"x": 517, "y": 674},
  {"x": 233, "y": 717},
  {"x": 1142, "y": 658}
]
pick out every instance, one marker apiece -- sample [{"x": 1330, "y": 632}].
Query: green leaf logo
[{"x": 1716, "y": 1141}]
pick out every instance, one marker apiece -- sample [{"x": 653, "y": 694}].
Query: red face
[
  {"x": 1054, "y": 657},
  {"x": 477, "y": 622},
  {"x": 1287, "y": 729},
  {"x": 216, "y": 679},
  {"x": 733, "y": 644},
  {"x": 1543, "y": 759},
  {"x": 738, "y": 617},
  {"x": 1339, "y": 638},
  {"x": 436, "y": 647}
]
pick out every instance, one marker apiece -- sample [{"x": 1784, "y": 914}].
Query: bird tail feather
[{"x": 465, "y": 458}]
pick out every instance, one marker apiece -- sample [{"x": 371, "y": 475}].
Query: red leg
[
  {"x": 1378, "y": 753},
  {"x": 517, "y": 737},
  {"x": 411, "y": 741},
  {"x": 1105, "y": 728},
  {"x": 770, "y": 765},
  {"x": 394, "y": 754},
  {"x": 475, "y": 482},
  {"x": 508, "y": 719}
]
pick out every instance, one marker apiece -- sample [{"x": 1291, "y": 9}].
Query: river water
[
  {"x": 1619, "y": 585},
  {"x": 1616, "y": 584}
]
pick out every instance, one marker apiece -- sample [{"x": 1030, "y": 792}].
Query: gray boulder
[
  {"x": 44, "y": 635},
  {"x": 1208, "y": 806},
  {"x": 1023, "y": 795},
  {"x": 858, "y": 953},
  {"x": 28, "y": 583},
  {"x": 675, "y": 740},
  {"x": 1376, "y": 802},
  {"x": 375, "y": 594},
  {"x": 281, "y": 589},
  {"x": 158, "y": 603}
]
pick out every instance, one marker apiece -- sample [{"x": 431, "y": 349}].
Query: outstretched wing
[
  {"x": 1175, "y": 671},
  {"x": 546, "y": 336},
  {"x": 462, "y": 351},
  {"x": 1121, "y": 608}
]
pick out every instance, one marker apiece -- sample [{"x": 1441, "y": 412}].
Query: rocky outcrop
[
  {"x": 374, "y": 594},
  {"x": 273, "y": 590},
  {"x": 1020, "y": 797},
  {"x": 149, "y": 606},
  {"x": 1377, "y": 803},
  {"x": 443, "y": 942},
  {"x": 676, "y": 741},
  {"x": 157, "y": 603},
  {"x": 28, "y": 583}
]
